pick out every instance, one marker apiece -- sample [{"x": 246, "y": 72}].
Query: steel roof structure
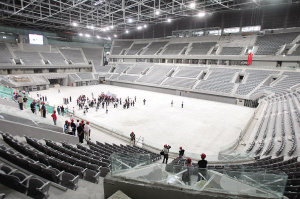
[{"x": 112, "y": 16}]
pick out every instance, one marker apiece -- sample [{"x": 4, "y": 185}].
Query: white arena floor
[{"x": 200, "y": 126}]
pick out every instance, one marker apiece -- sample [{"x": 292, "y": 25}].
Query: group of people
[
  {"x": 186, "y": 177},
  {"x": 172, "y": 103},
  {"x": 70, "y": 127}
]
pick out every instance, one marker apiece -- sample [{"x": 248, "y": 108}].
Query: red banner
[{"x": 250, "y": 56}]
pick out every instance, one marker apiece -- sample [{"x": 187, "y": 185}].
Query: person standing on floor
[
  {"x": 172, "y": 103},
  {"x": 70, "y": 132},
  {"x": 86, "y": 131},
  {"x": 73, "y": 126},
  {"x": 80, "y": 133},
  {"x": 62, "y": 110},
  {"x": 25, "y": 102},
  {"x": 44, "y": 110},
  {"x": 70, "y": 99},
  {"x": 181, "y": 152},
  {"x": 202, "y": 166},
  {"x": 45, "y": 98},
  {"x": 135, "y": 98},
  {"x": 32, "y": 107},
  {"x": 182, "y": 104},
  {"x": 132, "y": 138},
  {"x": 166, "y": 153},
  {"x": 106, "y": 110},
  {"x": 186, "y": 176},
  {"x": 58, "y": 110},
  {"x": 20, "y": 99},
  {"x": 144, "y": 101},
  {"x": 54, "y": 117}
]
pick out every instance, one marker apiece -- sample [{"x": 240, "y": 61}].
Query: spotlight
[
  {"x": 74, "y": 24},
  {"x": 112, "y": 27},
  {"x": 157, "y": 12},
  {"x": 92, "y": 27},
  {"x": 127, "y": 31},
  {"x": 108, "y": 38},
  {"x": 139, "y": 27},
  {"x": 169, "y": 20},
  {"x": 145, "y": 26},
  {"x": 130, "y": 20},
  {"x": 192, "y": 5},
  {"x": 80, "y": 34},
  {"x": 98, "y": 37},
  {"x": 87, "y": 35},
  {"x": 115, "y": 35},
  {"x": 201, "y": 14}
]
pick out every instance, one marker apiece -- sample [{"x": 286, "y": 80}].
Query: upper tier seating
[
  {"x": 29, "y": 58},
  {"x": 180, "y": 82},
  {"x": 154, "y": 47},
  {"x": 122, "y": 67},
  {"x": 135, "y": 48},
  {"x": 85, "y": 75},
  {"x": 219, "y": 80},
  {"x": 74, "y": 55},
  {"x": 54, "y": 58},
  {"x": 103, "y": 69},
  {"x": 94, "y": 54},
  {"x": 191, "y": 72},
  {"x": 156, "y": 76},
  {"x": 5, "y": 55},
  {"x": 174, "y": 49},
  {"x": 138, "y": 68},
  {"x": 118, "y": 46},
  {"x": 296, "y": 52},
  {"x": 255, "y": 77},
  {"x": 269, "y": 44},
  {"x": 201, "y": 48},
  {"x": 231, "y": 51}
]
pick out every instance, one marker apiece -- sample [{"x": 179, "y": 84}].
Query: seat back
[{"x": 37, "y": 188}]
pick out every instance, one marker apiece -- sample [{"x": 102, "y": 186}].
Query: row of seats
[
  {"x": 32, "y": 164},
  {"x": 26, "y": 184}
]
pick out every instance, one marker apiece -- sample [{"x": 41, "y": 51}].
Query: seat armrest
[
  {"x": 97, "y": 175},
  {"x": 27, "y": 178},
  {"x": 75, "y": 180},
  {"x": 44, "y": 188},
  {"x": 14, "y": 170}
]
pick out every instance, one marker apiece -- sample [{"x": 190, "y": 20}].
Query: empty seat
[
  {"x": 92, "y": 176},
  {"x": 38, "y": 189},
  {"x": 70, "y": 181}
]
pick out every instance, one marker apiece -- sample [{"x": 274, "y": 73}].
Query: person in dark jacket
[
  {"x": 73, "y": 126},
  {"x": 32, "y": 107},
  {"x": 62, "y": 110},
  {"x": 181, "y": 152},
  {"x": 202, "y": 166},
  {"x": 44, "y": 110},
  {"x": 186, "y": 176},
  {"x": 80, "y": 133}
]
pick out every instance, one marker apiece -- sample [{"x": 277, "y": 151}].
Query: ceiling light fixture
[
  {"x": 201, "y": 14},
  {"x": 157, "y": 12},
  {"x": 192, "y": 5},
  {"x": 74, "y": 24}
]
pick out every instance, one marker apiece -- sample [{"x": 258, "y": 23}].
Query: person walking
[
  {"x": 73, "y": 126},
  {"x": 106, "y": 110},
  {"x": 32, "y": 107},
  {"x": 144, "y": 101},
  {"x": 45, "y": 98},
  {"x": 54, "y": 117},
  {"x": 172, "y": 103},
  {"x": 70, "y": 99},
  {"x": 132, "y": 138},
  {"x": 44, "y": 110},
  {"x": 25, "y": 102},
  {"x": 182, "y": 104},
  {"x": 58, "y": 110}
]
